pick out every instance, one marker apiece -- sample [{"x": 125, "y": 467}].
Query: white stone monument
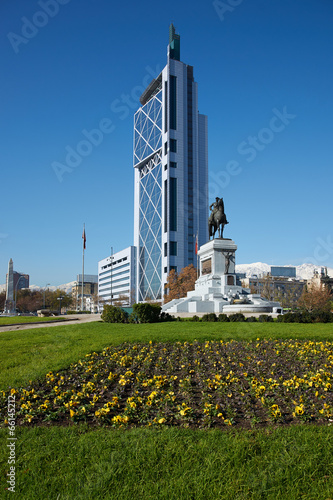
[
  {"x": 217, "y": 290},
  {"x": 9, "y": 304}
]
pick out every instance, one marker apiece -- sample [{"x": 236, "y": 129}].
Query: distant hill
[
  {"x": 67, "y": 287},
  {"x": 304, "y": 271}
]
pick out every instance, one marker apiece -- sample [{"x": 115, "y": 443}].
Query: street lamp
[
  {"x": 60, "y": 299},
  {"x": 47, "y": 284}
]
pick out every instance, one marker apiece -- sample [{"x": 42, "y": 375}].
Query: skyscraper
[{"x": 171, "y": 175}]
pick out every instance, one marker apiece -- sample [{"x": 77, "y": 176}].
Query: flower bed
[{"x": 211, "y": 384}]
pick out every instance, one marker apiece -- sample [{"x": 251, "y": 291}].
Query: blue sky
[{"x": 265, "y": 77}]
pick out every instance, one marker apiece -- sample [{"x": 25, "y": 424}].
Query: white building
[
  {"x": 171, "y": 175},
  {"x": 119, "y": 279}
]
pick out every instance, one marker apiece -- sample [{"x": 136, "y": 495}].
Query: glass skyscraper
[{"x": 171, "y": 175}]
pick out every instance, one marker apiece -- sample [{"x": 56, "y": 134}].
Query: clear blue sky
[{"x": 252, "y": 61}]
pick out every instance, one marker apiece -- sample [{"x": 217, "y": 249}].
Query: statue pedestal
[
  {"x": 217, "y": 290},
  {"x": 217, "y": 270}
]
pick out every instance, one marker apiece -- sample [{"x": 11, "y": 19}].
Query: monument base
[{"x": 218, "y": 290}]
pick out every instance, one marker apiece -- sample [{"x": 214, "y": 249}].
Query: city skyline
[{"x": 73, "y": 81}]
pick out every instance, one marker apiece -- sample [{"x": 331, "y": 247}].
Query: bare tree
[
  {"x": 316, "y": 299},
  {"x": 178, "y": 285}
]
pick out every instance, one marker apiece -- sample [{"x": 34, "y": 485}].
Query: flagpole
[
  {"x": 84, "y": 246},
  {"x": 196, "y": 251}
]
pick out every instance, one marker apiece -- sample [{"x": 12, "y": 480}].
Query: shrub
[
  {"x": 265, "y": 318},
  {"x": 133, "y": 318},
  {"x": 147, "y": 313},
  {"x": 323, "y": 317},
  {"x": 251, "y": 319},
  {"x": 195, "y": 318},
  {"x": 113, "y": 314},
  {"x": 209, "y": 317},
  {"x": 237, "y": 317},
  {"x": 303, "y": 317},
  {"x": 166, "y": 317},
  {"x": 223, "y": 317},
  {"x": 288, "y": 318}
]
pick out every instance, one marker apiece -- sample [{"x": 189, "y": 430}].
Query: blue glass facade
[
  {"x": 147, "y": 146},
  {"x": 148, "y": 129},
  {"x": 150, "y": 255}
]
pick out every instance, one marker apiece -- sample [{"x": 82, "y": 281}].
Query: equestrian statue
[{"x": 217, "y": 219}]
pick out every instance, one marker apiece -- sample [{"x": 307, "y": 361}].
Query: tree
[
  {"x": 178, "y": 284},
  {"x": 316, "y": 299},
  {"x": 2, "y": 300},
  {"x": 29, "y": 300},
  {"x": 53, "y": 301}
]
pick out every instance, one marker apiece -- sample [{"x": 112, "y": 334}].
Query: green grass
[
  {"x": 29, "y": 354},
  {"x": 79, "y": 462},
  {"x": 175, "y": 464},
  {"x": 25, "y": 319}
]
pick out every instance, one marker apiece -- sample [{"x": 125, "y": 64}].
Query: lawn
[
  {"x": 177, "y": 381},
  {"x": 13, "y": 320}
]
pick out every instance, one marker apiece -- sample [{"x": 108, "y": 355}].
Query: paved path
[{"x": 74, "y": 319}]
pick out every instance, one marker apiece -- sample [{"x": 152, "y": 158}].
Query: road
[{"x": 73, "y": 319}]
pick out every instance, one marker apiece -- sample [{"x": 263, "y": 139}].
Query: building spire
[{"x": 174, "y": 43}]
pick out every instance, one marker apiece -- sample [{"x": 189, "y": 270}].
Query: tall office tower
[{"x": 171, "y": 175}]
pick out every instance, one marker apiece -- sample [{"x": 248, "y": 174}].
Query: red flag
[
  {"x": 84, "y": 238},
  {"x": 196, "y": 245}
]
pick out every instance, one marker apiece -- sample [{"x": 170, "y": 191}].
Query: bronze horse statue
[{"x": 217, "y": 219}]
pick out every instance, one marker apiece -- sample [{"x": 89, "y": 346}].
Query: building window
[
  {"x": 173, "y": 268},
  {"x": 173, "y": 164},
  {"x": 165, "y": 148},
  {"x": 173, "y": 145},
  {"x": 165, "y": 106},
  {"x": 165, "y": 249},
  {"x": 173, "y": 204},
  {"x": 173, "y": 248},
  {"x": 173, "y": 102},
  {"x": 165, "y": 206},
  {"x": 165, "y": 269}
]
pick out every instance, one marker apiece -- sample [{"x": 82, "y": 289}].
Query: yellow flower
[
  {"x": 72, "y": 413},
  {"x": 162, "y": 420}
]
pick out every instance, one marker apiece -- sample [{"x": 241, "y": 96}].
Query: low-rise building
[
  {"x": 117, "y": 278},
  {"x": 321, "y": 278},
  {"x": 280, "y": 284},
  {"x": 90, "y": 292}
]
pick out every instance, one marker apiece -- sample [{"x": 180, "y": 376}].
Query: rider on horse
[
  {"x": 217, "y": 205},
  {"x": 217, "y": 217}
]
